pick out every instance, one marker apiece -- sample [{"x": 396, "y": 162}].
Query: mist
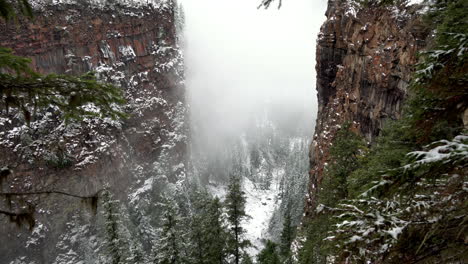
[{"x": 243, "y": 63}]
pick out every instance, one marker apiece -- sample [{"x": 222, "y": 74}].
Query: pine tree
[
  {"x": 235, "y": 208},
  {"x": 286, "y": 238},
  {"x": 198, "y": 245},
  {"x": 344, "y": 155},
  {"x": 268, "y": 255},
  {"x": 28, "y": 92},
  {"x": 207, "y": 232},
  {"x": 136, "y": 255},
  {"x": 117, "y": 245},
  {"x": 215, "y": 233},
  {"x": 171, "y": 246}
]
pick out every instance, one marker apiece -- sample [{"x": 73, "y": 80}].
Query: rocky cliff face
[
  {"x": 365, "y": 58},
  {"x": 133, "y": 47}
]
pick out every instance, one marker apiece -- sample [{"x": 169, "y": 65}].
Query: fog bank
[{"x": 244, "y": 63}]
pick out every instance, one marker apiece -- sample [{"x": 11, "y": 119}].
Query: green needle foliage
[
  {"x": 117, "y": 246},
  {"x": 171, "y": 248},
  {"x": 9, "y": 9},
  {"x": 438, "y": 93},
  {"x": 345, "y": 154},
  {"x": 235, "y": 209},
  {"x": 75, "y": 97},
  {"x": 286, "y": 238},
  {"x": 404, "y": 200},
  {"x": 207, "y": 232},
  {"x": 268, "y": 255},
  {"x": 215, "y": 233}
]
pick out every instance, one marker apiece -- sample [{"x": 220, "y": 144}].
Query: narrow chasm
[
  {"x": 250, "y": 78},
  {"x": 233, "y": 132}
]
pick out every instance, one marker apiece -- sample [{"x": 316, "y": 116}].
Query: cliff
[
  {"x": 365, "y": 59},
  {"x": 133, "y": 47}
]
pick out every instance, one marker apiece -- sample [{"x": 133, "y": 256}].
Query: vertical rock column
[{"x": 365, "y": 58}]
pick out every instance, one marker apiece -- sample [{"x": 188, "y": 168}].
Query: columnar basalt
[{"x": 365, "y": 58}]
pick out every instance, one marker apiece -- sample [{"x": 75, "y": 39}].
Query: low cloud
[{"x": 242, "y": 61}]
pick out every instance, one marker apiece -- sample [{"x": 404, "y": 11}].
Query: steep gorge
[{"x": 366, "y": 57}]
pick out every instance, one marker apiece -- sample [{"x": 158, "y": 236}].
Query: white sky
[{"x": 240, "y": 59}]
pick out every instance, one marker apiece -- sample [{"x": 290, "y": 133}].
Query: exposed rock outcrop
[
  {"x": 365, "y": 58},
  {"x": 134, "y": 48}
]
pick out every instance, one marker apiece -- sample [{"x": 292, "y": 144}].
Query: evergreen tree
[
  {"x": 266, "y": 3},
  {"x": 136, "y": 255},
  {"x": 171, "y": 246},
  {"x": 268, "y": 255},
  {"x": 235, "y": 208},
  {"x": 197, "y": 236},
  {"x": 30, "y": 93},
  {"x": 215, "y": 233},
  {"x": 286, "y": 238},
  {"x": 117, "y": 245},
  {"x": 344, "y": 158},
  {"x": 207, "y": 231},
  {"x": 392, "y": 201},
  {"x": 345, "y": 155}
]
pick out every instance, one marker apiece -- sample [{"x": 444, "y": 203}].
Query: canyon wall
[
  {"x": 135, "y": 48},
  {"x": 365, "y": 59}
]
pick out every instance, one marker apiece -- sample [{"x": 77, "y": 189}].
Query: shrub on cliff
[
  {"x": 438, "y": 95},
  {"x": 345, "y": 154},
  {"x": 389, "y": 151},
  {"x": 413, "y": 211}
]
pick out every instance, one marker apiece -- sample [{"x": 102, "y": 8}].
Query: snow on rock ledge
[{"x": 122, "y": 49}]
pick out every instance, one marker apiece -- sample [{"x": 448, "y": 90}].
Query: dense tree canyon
[{"x": 167, "y": 131}]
